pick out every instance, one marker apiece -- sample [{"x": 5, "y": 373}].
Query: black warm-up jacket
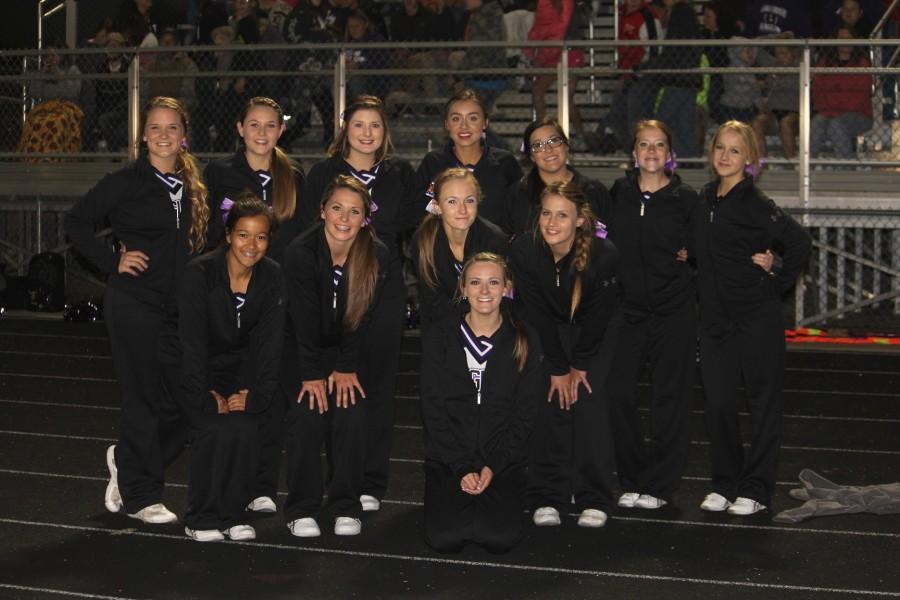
[
  {"x": 546, "y": 305},
  {"x": 460, "y": 433},
  {"x": 648, "y": 234},
  {"x": 220, "y": 350},
  {"x": 438, "y": 302},
  {"x": 136, "y": 204},
  {"x": 228, "y": 179}
]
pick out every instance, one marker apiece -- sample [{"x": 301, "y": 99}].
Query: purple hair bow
[
  {"x": 600, "y": 230},
  {"x": 671, "y": 163},
  {"x": 225, "y": 206},
  {"x": 753, "y": 169}
]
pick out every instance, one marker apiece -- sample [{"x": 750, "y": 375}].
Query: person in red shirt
[{"x": 843, "y": 101}]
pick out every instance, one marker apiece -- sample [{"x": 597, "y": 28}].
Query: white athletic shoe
[
  {"x": 156, "y": 514},
  {"x": 262, "y": 504},
  {"x": 628, "y": 499},
  {"x": 112, "y": 499},
  {"x": 591, "y": 517},
  {"x": 648, "y": 501},
  {"x": 240, "y": 532},
  {"x": 745, "y": 506},
  {"x": 304, "y": 528},
  {"x": 204, "y": 535},
  {"x": 369, "y": 503},
  {"x": 715, "y": 502},
  {"x": 347, "y": 526},
  {"x": 546, "y": 516}
]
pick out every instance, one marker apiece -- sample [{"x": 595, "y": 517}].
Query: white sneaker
[
  {"x": 262, "y": 504},
  {"x": 591, "y": 517},
  {"x": 112, "y": 499},
  {"x": 628, "y": 499},
  {"x": 240, "y": 532},
  {"x": 745, "y": 506},
  {"x": 155, "y": 514},
  {"x": 648, "y": 501},
  {"x": 304, "y": 528},
  {"x": 347, "y": 526},
  {"x": 369, "y": 503},
  {"x": 204, "y": 535},
  {"x": 715, "y": 502},
  {"x": 546, "y": 516}
]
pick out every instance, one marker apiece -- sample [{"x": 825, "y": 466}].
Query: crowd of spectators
[{"x": 690, "y": 103}]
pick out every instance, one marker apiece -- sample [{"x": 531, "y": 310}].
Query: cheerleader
[
  {"x": 566, "y": 284},
  {"x": 450, "y": 234},
  {"x": 334, "y": 273},
  {"x": 265, "y": 170},
  {"x": 362, "y": 150},
  {"x": 231, "y": 319},
  {"x": 546, "y": 145},
  {"x": 157, "y": 209},
  {"x": 480, "y": 381},
  {"x": 741, "y": 319},
  {"x": 262, "y": 168},
  {"x": 649, "y": 222},
  {"x": 466, "y": 123}
]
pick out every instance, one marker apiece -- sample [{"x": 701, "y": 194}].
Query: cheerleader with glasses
[
  {"x": 362, "y": 150},
  {"x": 231, "y": 320},
  {"x": 480, "y": 381},
  {"x": 264, "y": 169},
  {"x": 566, "y": 284},
  {"x": 335, "y": 272},
  {"x": 451, "y": 233},
  {"x": 157, "y": 209},
  {"x": 741, "y": 319}
]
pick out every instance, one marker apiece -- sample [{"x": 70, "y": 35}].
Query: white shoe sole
[{"x": 112, "y": 498}]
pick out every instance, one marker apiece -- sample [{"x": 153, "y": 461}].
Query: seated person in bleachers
[
  {"x": 178, "y": 64},
  {"x": 741, "y": 92},
  {"x": 413, "y": 22},
  {"x": 842, "y": 101},
  {"x": 109, "y": 114},
  {"x": 359, "y": 30},
  {"x": 779, "y": 109},
  {"x": 861, "y": 15},
  {"x": 62, "y": 86},
  {"x": 485, "y": 25}
]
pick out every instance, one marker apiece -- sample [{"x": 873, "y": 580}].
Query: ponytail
[
  {"x": 284, "y": 185},
  {"x": 186, "y": 166},
  {"x": 427, "y": 234}
]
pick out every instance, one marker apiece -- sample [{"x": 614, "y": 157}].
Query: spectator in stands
[
  {"x": 767, "y": 17},
  {"x": 110, "y": 112},
  {"x": 61, "y": 86},
  {"x": 276, "y": 12},
  {"x": 412, "y": 22},
  {"x": 742, "y": 91},
  {"x": 637, "y": 21},
  {"x": 719, "y": 23},
  {"x": 677, "y": 104},
  {"x": 861, "y": 15},
  {"x": 136, "y": 22},
  {"x": 360, "y": 31},
  {"x": 485, "y": 25},
  {"x": 518, "y": 17},
  {"x": 842, "y": 101},
  {"x": 177, "y": 64},
  {"x": 780, "y": 108},
  {"x": 245, "y": 23},
  {"x": 552, "y": 20}
]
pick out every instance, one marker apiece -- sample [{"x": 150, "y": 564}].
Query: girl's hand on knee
[
  {"x": 221, "y": 403},
  {"x": 345, "y": 386},
  {"x": 317, "y": 397}
]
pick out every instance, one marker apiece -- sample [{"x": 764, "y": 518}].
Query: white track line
[
  {"x": 693, "y": 443},
  {"x": 470, "y": 563},
  {"x": 53, "y": 335},
  {"x": 642, "y": 409},
  {"x": 27, "y": 588}
]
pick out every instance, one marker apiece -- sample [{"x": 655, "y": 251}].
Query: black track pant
[
  {"x": 152, "y": 432},
  {"x": 571, "y": 451},
  {"x": 667, "y": 345},
  {"x": 341, "y": 431},
  {"x": 453, "y": 519},
  {"x": 752, "y": 355},
  {"x": 223, "y": 463},
  {"x": 271, "y": 432},
  {"x": 379, "y": 362}
]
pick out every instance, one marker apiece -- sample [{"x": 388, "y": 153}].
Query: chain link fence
[{"x": 824, "y": 111}]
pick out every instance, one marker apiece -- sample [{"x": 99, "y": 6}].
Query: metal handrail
[{"x": 880, "y": 25}]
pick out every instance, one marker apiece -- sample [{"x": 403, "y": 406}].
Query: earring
[{"x": 636, "y": 163}]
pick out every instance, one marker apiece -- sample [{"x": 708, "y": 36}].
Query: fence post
[
  {"x": 134, "y": 107},
  {"x": 562, "y": 90},
  {"x": 803, "y": 168},
  {"x": 340, "y": 91},
  {"x": 71, "y": 23}
]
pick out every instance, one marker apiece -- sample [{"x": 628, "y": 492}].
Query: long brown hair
[
  {"x": 520, "y": 348},
  {"x": 584, "y": 235},
  {"x": 427, "y": 232},
  {"x": 361, "y": 267},
  {"x": 341, "y": 145},
  {"x": 186, "y": 167},
  {"x": 284, "y": 191}
]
